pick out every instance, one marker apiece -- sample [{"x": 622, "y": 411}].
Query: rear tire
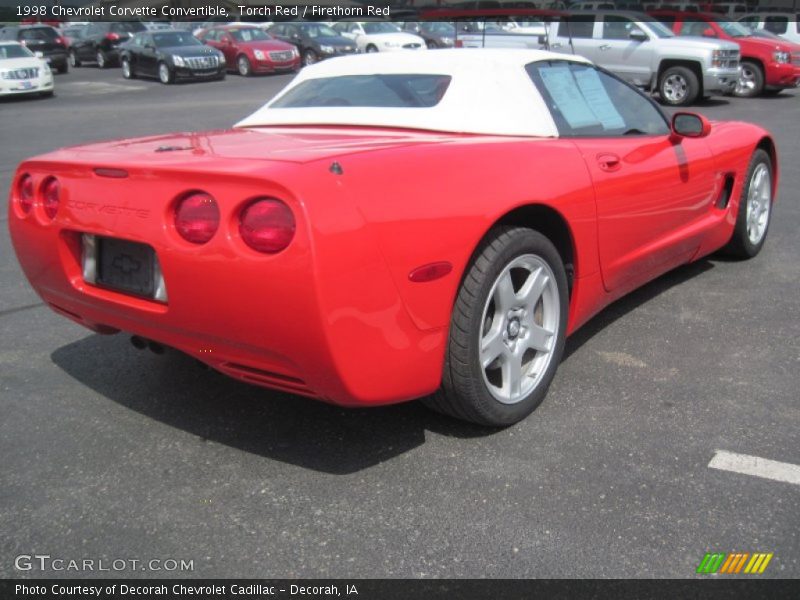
[
  {"x": 165, "y": 74},
  {"x": 751, "y": 80},
  {"x": 310, "y": 57},
  {"x": 755, "y": 209},
  {"x": 678, "y": 86},
  {"x": 507, "y": 330},
  {"x": 63, "y": 68},
  {"x": 372, "y": 48}
]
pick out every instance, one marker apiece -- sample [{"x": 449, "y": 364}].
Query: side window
[
  {"x": 696, "y": 27},
  {"x": 618, "y": 28},
  {"x": 278, "y": 30},
  {"x": 777, "y": 25},
  {"x": 749, "y": 21},
  {"x": 576, "y": 26},
  {"x": 587, "y": 102}
]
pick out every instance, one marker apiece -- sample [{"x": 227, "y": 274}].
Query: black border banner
[{"x": 400, "y": 589}]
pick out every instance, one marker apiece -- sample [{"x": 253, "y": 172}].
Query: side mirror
[
  {"x": 691, "y": 125},
  {"x": 637, "y": 35}
]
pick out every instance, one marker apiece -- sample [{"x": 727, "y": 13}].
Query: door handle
[
  {"x": 605, "y": 47},
  {"x": 609, "y": 162}
]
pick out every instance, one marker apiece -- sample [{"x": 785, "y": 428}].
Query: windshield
[
  {"x": 173, "y": 39},
  {"x": 387, "y": 91},
  {"x": 251, "y": 34},
  {"x": 733, "y": 29},
  {"x": 657, "y": 27},
  {"x": 315, "y": 31},
  {"x": 440, "y": 28},
  {"x": 14, "y": 51},
  {"x": 381, "y": 28}
]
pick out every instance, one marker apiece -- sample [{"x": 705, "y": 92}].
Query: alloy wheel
[{"x": 520, "y": 321}]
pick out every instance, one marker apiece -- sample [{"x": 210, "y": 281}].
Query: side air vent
[{"x": 727, "y": 189}]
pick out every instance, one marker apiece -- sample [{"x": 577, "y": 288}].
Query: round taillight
[
  {"x": 25, "y": 193},
  {"x": 197, "y": 218},
  {"x": 267, "y": 225},
  {"x": 51, "y": 194}
]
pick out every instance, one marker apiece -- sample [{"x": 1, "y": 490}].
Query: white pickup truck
[{"x": 631, "y": 45}]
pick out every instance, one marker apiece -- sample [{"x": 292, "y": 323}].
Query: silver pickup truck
[{"x": 644, "y": 52}]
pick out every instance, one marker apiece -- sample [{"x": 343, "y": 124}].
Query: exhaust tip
[
  {"x": 155, "y": 347},
  {"x": 138, "y": 342}
]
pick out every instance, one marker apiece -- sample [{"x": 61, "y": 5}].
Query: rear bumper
[
  {"x": 720, "y": 81},
  {"x": 286, "y": 321}
]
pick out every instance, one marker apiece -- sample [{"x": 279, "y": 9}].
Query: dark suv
[
  {"x": 100, "y": 42},
  {"x": 314, "y": 41},
  {"x": 39, "y": 38}
]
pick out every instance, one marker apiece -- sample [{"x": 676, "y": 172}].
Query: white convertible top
[{"x": 490, "y": 93}]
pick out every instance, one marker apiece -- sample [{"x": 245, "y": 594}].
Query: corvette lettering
[{"x": 108, "y": 209}]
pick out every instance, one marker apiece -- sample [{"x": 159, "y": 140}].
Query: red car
[
  {"x": 374, "y": 234},
  {"x": 766, "y": 65},
  {"x": 250, "y": 50}
]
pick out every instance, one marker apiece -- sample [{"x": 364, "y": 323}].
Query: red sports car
[
  {"x": 249, "y": 49},
  {"x": 394, "y": 226}
]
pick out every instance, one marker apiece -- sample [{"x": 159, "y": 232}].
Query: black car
[
  {"x": 314, "y": 41},
  {"x": 170, "y": 54},
  {"x": 100, "y": 42},
  {"x": 437, "y": 34},
  {"x": 39, "y": 38}
]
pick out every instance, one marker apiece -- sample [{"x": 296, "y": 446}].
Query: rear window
[
  {"x": 386, "y": 91},
  {"x": 47, "y": 34},
  {"x": 777, "y": 25},
  {"x": 127, "y": 27},
  {"x": 578, "y": 26}
]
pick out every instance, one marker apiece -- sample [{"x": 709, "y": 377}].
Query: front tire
[
  {"x": 165, "y": 74},
  {"x": 751, "y": 80},
  {"x": 755, "y": 209},
  {"x": 309, "y": 58},
  {"x": 678, "y": 86},
  {"x": 74, "y": 61},
  {"x": 127, "y": 69},
  {"x": 101, "y": 59},
  {"x": 372, "y": 48},
  {"x": 507, "y": 330},
  {"x": 243, "y": 66}
]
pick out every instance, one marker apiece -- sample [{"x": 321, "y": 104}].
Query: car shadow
[
  {"x": 176, "y": 390},
  {"x": 634, "y": 300}
]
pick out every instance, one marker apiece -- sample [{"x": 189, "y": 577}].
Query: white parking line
[{"x": 755, "y": 466}]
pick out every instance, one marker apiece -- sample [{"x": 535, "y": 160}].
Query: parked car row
[{"x": 681, "y": 55}]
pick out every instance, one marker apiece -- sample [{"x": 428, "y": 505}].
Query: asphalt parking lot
[{"x": 110, "y": 453}]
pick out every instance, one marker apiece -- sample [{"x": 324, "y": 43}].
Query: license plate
[
  {"x": 25, "y": 85},
  {"x": 126, "y": 266}
]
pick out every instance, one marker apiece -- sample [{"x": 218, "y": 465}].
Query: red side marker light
[{"x": 430, "y": 272}]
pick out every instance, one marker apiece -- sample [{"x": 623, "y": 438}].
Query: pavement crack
[{"x": 11, "y": 311}]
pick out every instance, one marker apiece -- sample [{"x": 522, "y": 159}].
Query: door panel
[{"x": 649, "y": 191}]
